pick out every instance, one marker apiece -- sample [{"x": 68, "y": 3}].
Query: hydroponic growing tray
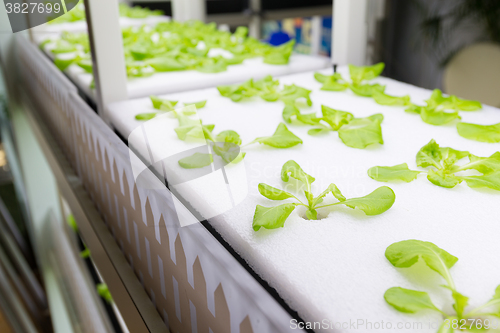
[
  {"x": 334, "y": 269},
  {"x": 195, "y": 283},
  {"x": 170, "y": 82}
]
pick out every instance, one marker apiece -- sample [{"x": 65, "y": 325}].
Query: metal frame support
[
  {"x": 106, "y": 47},
  {"x": 177, "y": 10},
  {"x": 316, "y": 23},
  {"x": 256, "y": 21},
  {"x": 185, "y": 10},
  {"x": 349, "y": 32}
]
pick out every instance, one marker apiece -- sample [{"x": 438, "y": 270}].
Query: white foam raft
[{"x": 334, "y": 269}]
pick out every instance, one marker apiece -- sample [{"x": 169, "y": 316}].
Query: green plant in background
[
  {"x": 191, "y": 128},
  {"x": 103, "y": 291},
  {"x": 137, "y": 11},
  {"x": 225, "y": 145},
  {"x": 359, "y": 75},
  {"x": 354, "y": 132},
  {"x": 268, "y": 89},
  {"x": 407, "y": 253},
  {"x": 384, "y": 99},
  {"x": 443, "y": 168},
  {"x": 70, "y": 48},
  {"x": 374, "y": 203},
  {"x": 441, "y": 110},
  {"x": 281, "y": 138},
  {"x": 482, "y": 133},
  {"x": 173, "y": 46},
  {"x": 440, "y": 22},
  {"x": 74, "y": 15},
  {"x": 165, "y": 105},
  {"x": 279, "y": 55}
]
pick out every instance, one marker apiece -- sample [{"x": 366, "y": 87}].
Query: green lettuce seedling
[
  {"x": 250, "y": 88},
  {"x": 280, "y": 54},
  {"x": 63, "y": 46},
  {"x": 333, "y": 82},
  {"x": 407, "y": 253},
  {"x": 367, "y": 90},
  {"x": 79, "y": 40},
  {"x": 482, "y": 133},
  {"x": 64, "y": 62},
  {"x": 443, "y": 170},
  {"x": 176, "y": 46},
  {"x": 440, "y": 110},
  {"x": 165, "y": 105},
  {"x": 354, "y": 132},
  {"x": 358, "y": 85},
  {"x": 74, "y": 15},
  {"x": 362, "y": 132},
  {"x": 224, "y": 144},
  {"x": 282, "y": 138},
  {"x": 291, "y": 93},
  {"x": 162, "y": 104},
  {"x": 86, "y": 65},
  {"x": 268, "y": 89},
  {"x": 359, "y": 74},
  {"x": 192, "y": 128},
  {"x": 196, "y": 161},
  {"x": 198, "y": 105},
  {"x": 384, "y": 99},
  {"x": 137, "y": 11},
  {"x": 374, "y": 203},
  {"x": 365, "y": 73},
  {"x": 437, "y": 100}
]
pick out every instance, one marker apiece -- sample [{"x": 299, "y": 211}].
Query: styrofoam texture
[{"x": 334, "y": 269}]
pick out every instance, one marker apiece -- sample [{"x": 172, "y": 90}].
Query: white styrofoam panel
[{"x": 334, "y": 268}]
